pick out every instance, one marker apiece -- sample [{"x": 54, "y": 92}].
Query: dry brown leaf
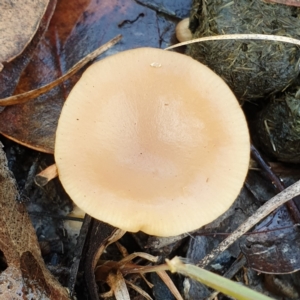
[
  {"x": 275, "y": 245},
  {"x": 101, "y": 236},
  {"x": 26, "y": 275},
  {"x": 113, "y": 273},
  {"x": 275, "y": 202},
  {"x": 33, "y": 124},
  {"x": 11, "y": 73},
  {"x": 170, "y": 284},
  {"x": 24, "y": 97},
  {"x": 19, "y": 21},
  {"x": 76, "y": 29},
  {"x": 117, "y": 283}
]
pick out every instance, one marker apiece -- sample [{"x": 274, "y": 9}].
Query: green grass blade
[{"x": 215, "y": 281}]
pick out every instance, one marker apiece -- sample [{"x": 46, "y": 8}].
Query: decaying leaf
[
  {"x": 19, "y": 21},
  {"x": 10, "y": 75},
  {"x": 26, "y": 276},
  {"x": 30, "y": 95},
  {"x": 277, "y": 248},
  {"x": 113, "y": 273},
  {"x": 278, "y": 200},
  {"x": 76, "y": 29},
  {"x": 118, "y": 285},
  {"x": 101, "y": 235},
  {"x": 14, "y": 122}
]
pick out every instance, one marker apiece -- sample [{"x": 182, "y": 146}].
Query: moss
[
  {"x": 253, "y": 69},
  {"x": 278, "y": 127}
]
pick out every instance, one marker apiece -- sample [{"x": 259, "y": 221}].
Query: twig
[
  {"x": 291, "y": 206},
  {"x": 286, "y": 2},
  {"x": 269, "y": 37},
  {"x": 261, "y": 213},
  {"x": 22, "y": 98}
]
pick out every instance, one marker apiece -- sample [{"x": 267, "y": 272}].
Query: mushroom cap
[{"x": 152, "y": 140}]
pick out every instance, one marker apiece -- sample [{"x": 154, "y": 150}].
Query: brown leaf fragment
[
  {"x": 286, "y": 195},
  {"x": 276, "y": 250},
  {"x": 24, "y": 97},
  {"x": 101, "y": 236},
  {"x": 26, "y": 271},
  {"x": 169, "y": 283},
  {"x": 33, "y": 280},
  {"x": 46, "y": 175},
  {"x": 11, "y": 72},
  {"x": 19, "y": 21},
  {"x": 78, "y": 253},
  {"x": 281, "y": 286},
  {"x": 76, "y": 29},
  {"x": 113, "y": 273},
  {"x": 138, "y": 289},
  {"x": 117, "y": 283},
  {"x": 34, "y": 124},
  {"x": 11, "y": 284}
]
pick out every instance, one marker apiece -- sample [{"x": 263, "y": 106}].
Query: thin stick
[
  {"x": 22, "y": 98},
  {"x": 286, "y": 2},
  {"x": 269, "y": 37},
  {"x": 289, "y": 193}
]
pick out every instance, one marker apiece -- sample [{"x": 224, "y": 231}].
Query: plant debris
[
  {"x": 286, "y": 195},
  {"x": 278, "y": 126},
  {"x": 19, "y": 21},
  {"x": 39, "y": 133},
  {"x": 274, "y": 248},
  {"x": 75, "y": 30},
  {"x": 11, "y": 73},
  {"x": 253, "y": 69},
  {"x": 24, "y": 274}
]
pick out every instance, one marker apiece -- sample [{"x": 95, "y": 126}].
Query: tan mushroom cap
[{"x": 152, "y": 140}]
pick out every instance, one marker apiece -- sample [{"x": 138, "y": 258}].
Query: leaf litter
[
  {"x": 19, "y": 21},
  {"x": 67, "y": 85},
  {"x": 10, "y": 75},
  {"x": 25, "y": 275},
  {"x": 34, "y": 123}
]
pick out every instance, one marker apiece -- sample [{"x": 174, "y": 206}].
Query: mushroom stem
[
  {"x": 46, "y": 175},
  {"x": 183, "y": 33}
]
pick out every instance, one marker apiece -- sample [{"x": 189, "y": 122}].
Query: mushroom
[
  {"x": 183, "y": 32},
  {"x": 152, "y": 140}
]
